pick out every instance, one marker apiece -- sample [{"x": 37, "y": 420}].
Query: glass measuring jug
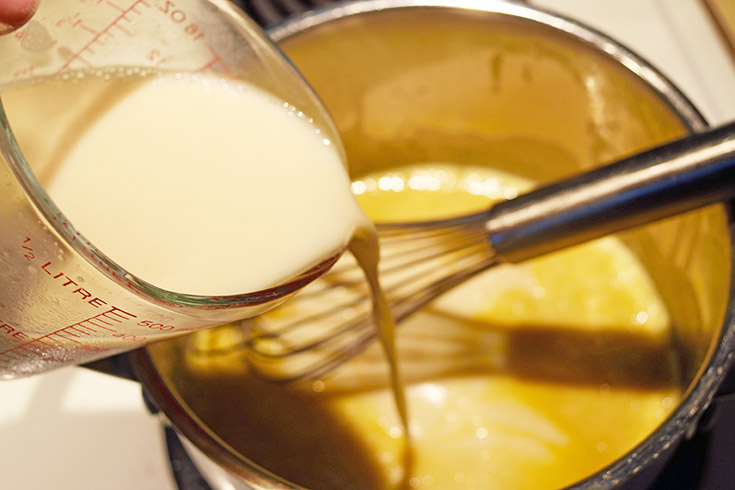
[{"x": 62, "y": 300}]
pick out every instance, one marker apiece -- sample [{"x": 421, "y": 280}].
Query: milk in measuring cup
[{"x": 195, "y": 184}]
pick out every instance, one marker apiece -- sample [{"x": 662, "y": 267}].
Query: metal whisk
[{"x": 420, "y": 261}]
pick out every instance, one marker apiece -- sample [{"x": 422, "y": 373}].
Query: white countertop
[
  {"x": 74, "y": 429},
  {"x": 77, "y": 429}
]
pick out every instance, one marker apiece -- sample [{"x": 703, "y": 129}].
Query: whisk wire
[
  {"x": 362, "y": 332},
  {"x": 415, "y": 272},
  {"x": 417, "y": 257}
]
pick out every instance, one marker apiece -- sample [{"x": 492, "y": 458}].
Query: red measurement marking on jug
[
  {"x": 106, "y": 31},
  {"x": 124, "y": 22},
  {"x": 75, "y": 336}
]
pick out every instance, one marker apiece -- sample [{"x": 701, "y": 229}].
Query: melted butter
[{"x": 531, "y": 377}]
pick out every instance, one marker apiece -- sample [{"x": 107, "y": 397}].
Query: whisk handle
[{"x": 667, "y": 180}]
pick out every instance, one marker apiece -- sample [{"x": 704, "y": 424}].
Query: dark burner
[
  {"x": 270, "y": 12},
  {"x": 185, "y": 473}
]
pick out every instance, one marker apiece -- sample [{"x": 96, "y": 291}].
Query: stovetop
[{"x": 78, "y": 429}]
